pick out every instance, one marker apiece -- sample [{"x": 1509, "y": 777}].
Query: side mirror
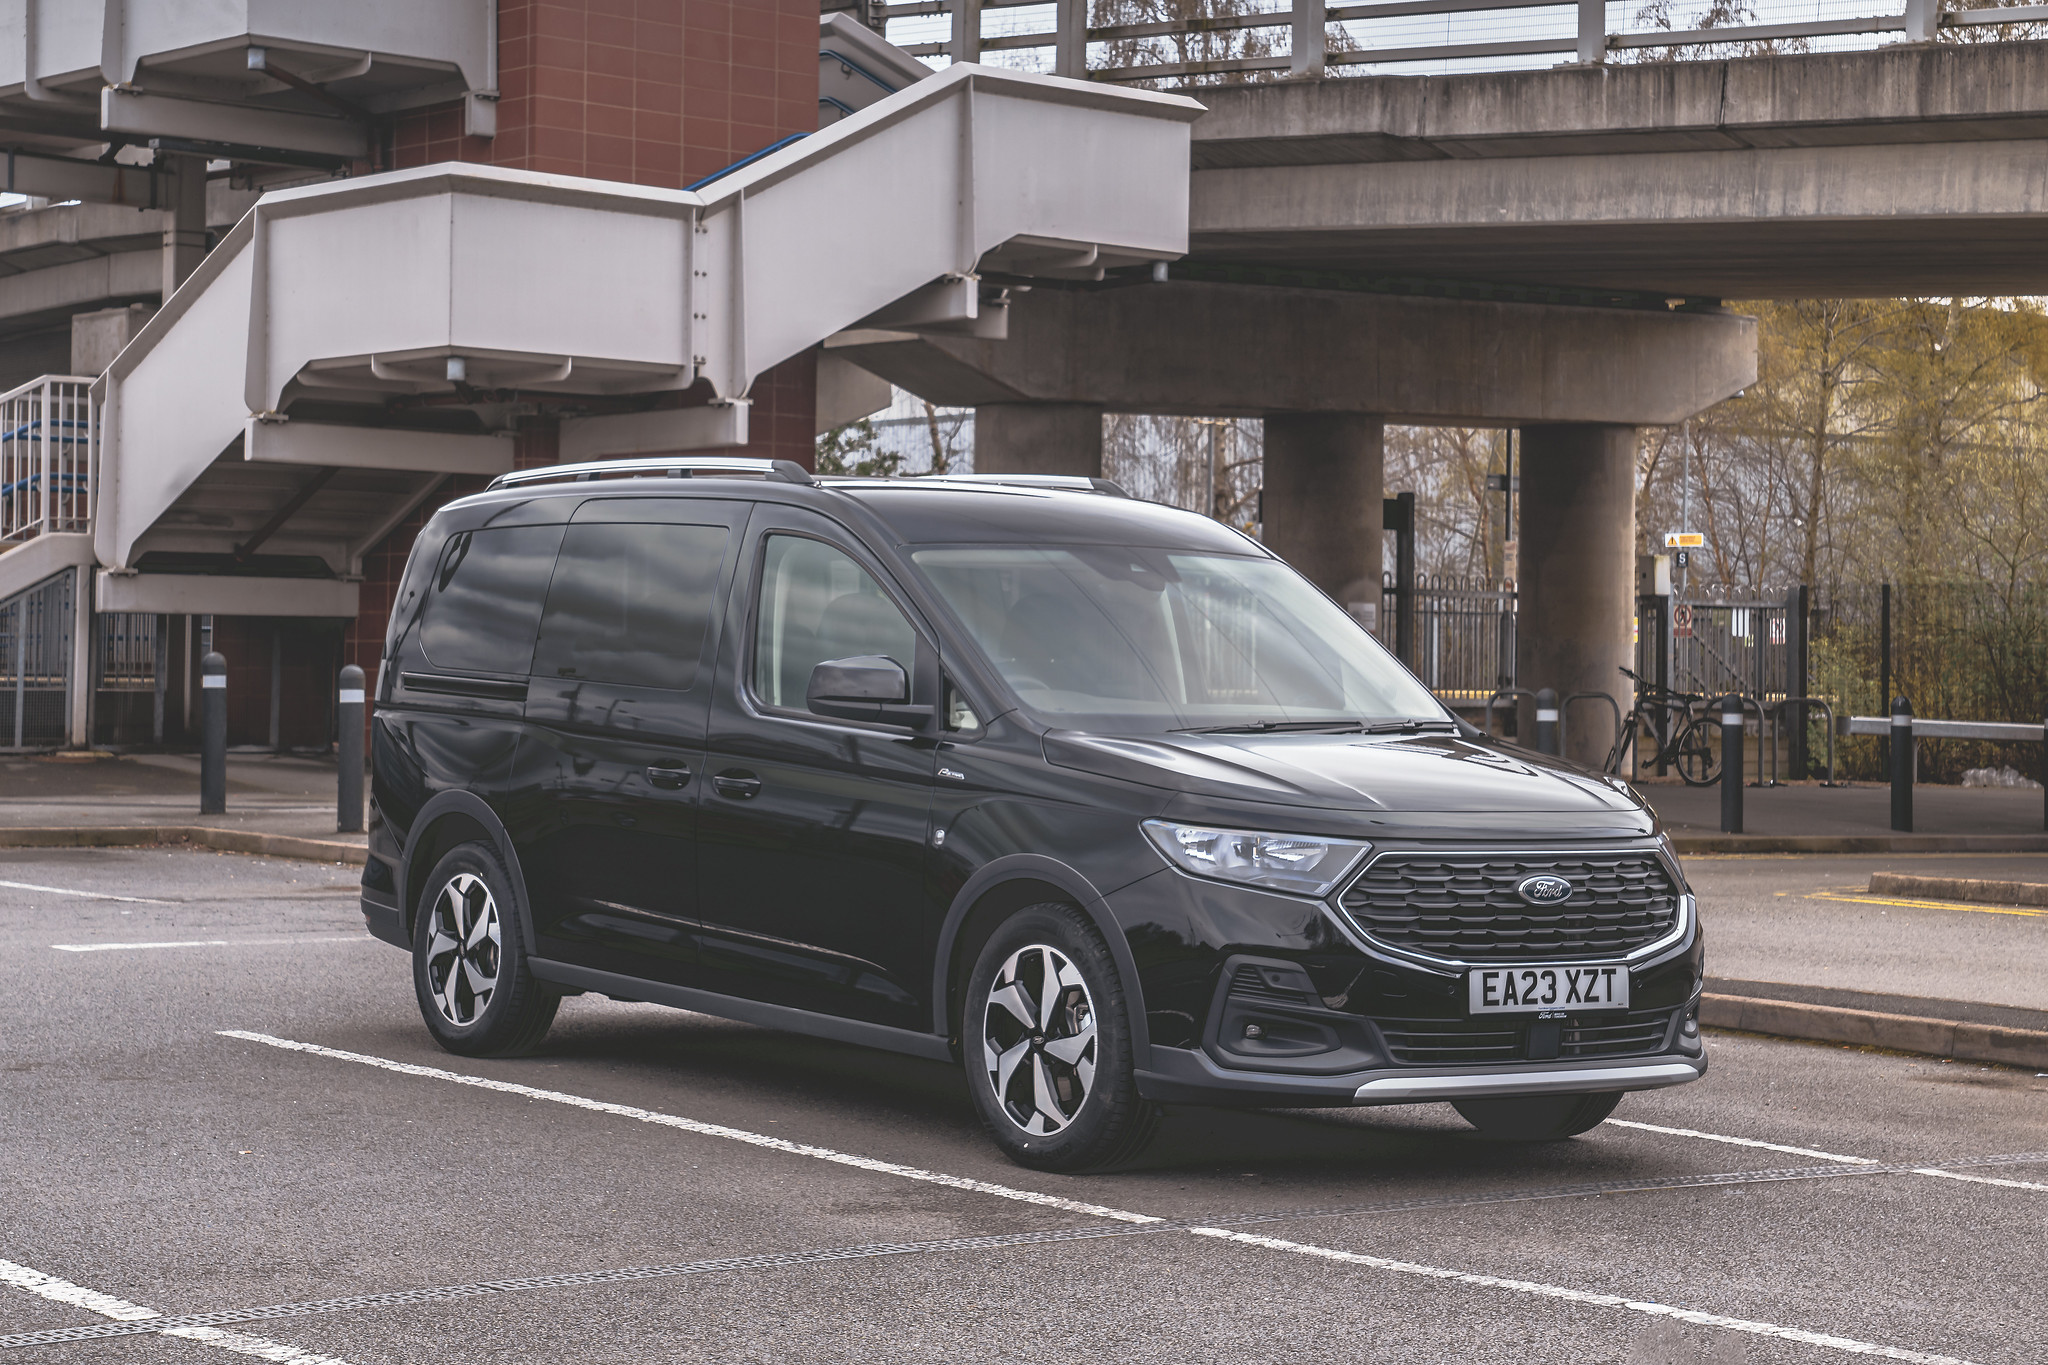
[{"x": 866, "y": 687}]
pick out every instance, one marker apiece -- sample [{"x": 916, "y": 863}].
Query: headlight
[{"x": 1300, "y": 864}]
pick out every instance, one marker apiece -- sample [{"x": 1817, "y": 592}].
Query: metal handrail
[
  {"x": 1588, "y": 40},
  {"x": 1498, "y": 693},
  {"x": 1564, "y": 707},
  {"x": 1778, "y": 708}
]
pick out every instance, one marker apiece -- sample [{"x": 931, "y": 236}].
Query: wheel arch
[
  {"x": 448, "y": 819},
  {"x": 992, "y": 895}
]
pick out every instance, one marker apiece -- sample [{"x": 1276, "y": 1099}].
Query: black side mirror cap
[{"x": 868, "y": 687}]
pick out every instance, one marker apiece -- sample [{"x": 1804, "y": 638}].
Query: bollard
[
  {"x": 1902, "y": 764},
  {"x": 1546, "y": 720},
  {"x": 348, "y": 752},
  {"x": 213, "y": 735},
  {"x": 1731, "y": 765}
]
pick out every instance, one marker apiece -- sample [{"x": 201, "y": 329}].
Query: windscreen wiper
[
  {"x": 1395, "y": 727},
  {"x": 1270, "y": 727}
]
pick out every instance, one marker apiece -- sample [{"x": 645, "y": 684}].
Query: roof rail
[
  {"x": 659, "y": 467},
  {"x": 1072, "y": 483}
]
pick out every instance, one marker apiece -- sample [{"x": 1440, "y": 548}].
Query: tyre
[
  {"x": 469, "y": 962},
  {"x": 1699, "y": 753},
  {"x": 1048, "y": 1042},
  {"x": 1537, "y": 1118}
]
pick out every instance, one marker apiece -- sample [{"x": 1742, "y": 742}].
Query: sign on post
[
  {"x": 1681, "y": 621},
  {"x": 1684, "y": 540}
]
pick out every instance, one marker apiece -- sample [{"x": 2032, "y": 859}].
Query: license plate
[{"x": 1526, "y": 990}]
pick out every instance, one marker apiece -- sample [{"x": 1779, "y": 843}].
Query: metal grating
[
  {"x": 1448, "y": 1042},
  {"x": 1464, "y": 907}
]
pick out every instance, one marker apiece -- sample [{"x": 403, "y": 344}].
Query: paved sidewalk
[
  {"x": 1864, "y": 808},
  {"x": 293, "y": 796}
]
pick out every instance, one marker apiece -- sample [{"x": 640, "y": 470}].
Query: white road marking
[
  {"x": 717, "y": 1130},
  {"x": 89, "y": 895},
  {"x": 107, "y": 1306},
  {"x": 1742, "y": 1142},
  {"x": 1846, "y": 1344},
  {"x": 213, "y": 943},
  {"x": 1981, "y": 1179},
  {"x": 1551, "y": 1291}
]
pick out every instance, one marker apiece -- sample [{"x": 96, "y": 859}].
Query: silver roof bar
[
  {"x": 658, "y": 467},
  {"x": 1072, "y": 483}
]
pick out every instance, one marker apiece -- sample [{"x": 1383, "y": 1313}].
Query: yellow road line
[{"x": 2030, "y": 912}]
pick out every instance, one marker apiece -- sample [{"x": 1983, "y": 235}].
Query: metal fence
[
  {"x": 35, "y": 664},
  {"x": 127, "y": 657},
  {"x": 47, "y": 431},
  {"x": 1464, "y": 633},
  {"x": 1208, "y": 41}
]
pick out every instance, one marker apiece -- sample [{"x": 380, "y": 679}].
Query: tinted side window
[
  {"x": 486, "y": 599},
  {"x": 631, "y": 604},
  {"x": 817, "y": 603}
]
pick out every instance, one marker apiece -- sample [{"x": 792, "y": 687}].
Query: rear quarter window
[{"x": 484, "y": 600}]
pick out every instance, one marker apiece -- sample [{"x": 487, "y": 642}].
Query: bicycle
[{"x": 1694, "y": 743}]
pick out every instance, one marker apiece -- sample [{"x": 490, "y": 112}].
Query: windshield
[{"x": 1139, "y": 640}]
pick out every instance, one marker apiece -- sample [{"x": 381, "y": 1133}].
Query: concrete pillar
[
  {"x": 1577, "y": 574},
  {"x": 1038, "y": 438},
  {"x": 1321, "y": 507},
  {"x": 185, "y": 225}
]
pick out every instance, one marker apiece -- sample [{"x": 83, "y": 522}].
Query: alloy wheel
[
  {"x": 1038, "y": 1039},
  {"x": 463, "y": 949}
]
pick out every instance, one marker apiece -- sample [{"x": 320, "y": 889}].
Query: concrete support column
[
  {"x": 185, "y": 228},
  {"x": 1577, "y": 574},
  {"x": 1038, "y": 438},
  {"x": 1321, "y": 506}
]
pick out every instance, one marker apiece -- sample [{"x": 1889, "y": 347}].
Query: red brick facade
[{"x": 653, "y": 92}]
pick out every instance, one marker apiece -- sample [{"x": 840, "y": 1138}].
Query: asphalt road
[
  {"x": 1812, "y": 921},
  {"x": 148, "y": 1161}
]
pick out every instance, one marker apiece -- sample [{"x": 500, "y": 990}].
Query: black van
[{"x": 1093, "y": 796}]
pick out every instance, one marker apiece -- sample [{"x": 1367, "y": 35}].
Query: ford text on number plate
[{"x": 1515, "y": 990}]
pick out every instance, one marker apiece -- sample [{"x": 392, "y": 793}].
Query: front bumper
[{"x": 1191, "y": 1076}]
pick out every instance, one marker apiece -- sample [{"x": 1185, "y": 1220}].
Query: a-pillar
[
  {"x": 1321, "y": 508},
  {"x": 1576, "y": 575},
  {"x": 1038, "y": 438}
]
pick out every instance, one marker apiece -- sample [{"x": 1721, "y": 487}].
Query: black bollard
[
  {"x": 213, "y": 735},
  {"x": 1902, "y": 764},
  {"x": 348, "y": 752},
  {"x": 1731, "y": 764},
  {"x": 1546, "y": 720}
]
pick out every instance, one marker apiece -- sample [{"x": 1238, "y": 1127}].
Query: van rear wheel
[
  {"x": 1537, "y": 1118},
  {"x": 476, "y": 993},
  {"x": 1047, "y": 1039}
]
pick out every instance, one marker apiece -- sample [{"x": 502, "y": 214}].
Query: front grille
[
  {"x": 1464, "y": 907},
  {"x": 1449, "y": 1042}
]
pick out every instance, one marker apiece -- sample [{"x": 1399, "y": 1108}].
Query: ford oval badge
[{"x": 1544, "y": 889}]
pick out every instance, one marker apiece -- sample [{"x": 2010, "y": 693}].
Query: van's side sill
[{"x": 855, "y": 1031}]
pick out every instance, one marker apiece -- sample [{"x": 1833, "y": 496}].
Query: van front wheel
[{"x": 1048, "y": 1043}]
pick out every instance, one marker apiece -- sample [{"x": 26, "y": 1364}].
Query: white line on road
[
  {"x": 1846, "y": 1344},
  {"x": 1551, "y": 1291},
  {"x": 107, "y": 1306},
  {"x": 1742, "y": 1142},
  {"x": 1981, "y": 1179},
  {"x": 89, "y": 895},
  {"x": 213, "y": 943}
]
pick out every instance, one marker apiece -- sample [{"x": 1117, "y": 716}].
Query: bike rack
[
  {"x": 1822, "y": 703},
  {"x": 1500, "y": 692},
  {"x": 1564, "y": 710}
]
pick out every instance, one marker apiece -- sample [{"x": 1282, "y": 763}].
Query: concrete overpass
[
  {"x": 1912, "y": 169},
  {"x": 1546, "y": 250}
]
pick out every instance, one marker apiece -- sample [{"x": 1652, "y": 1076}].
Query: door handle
[
  {"x": 739, "y": 784},
  {"x": 669, "y": 779}
]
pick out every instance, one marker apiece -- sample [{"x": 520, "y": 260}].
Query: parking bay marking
[
  {"x": 1150, "y": 1222},
  {"x": 213, "y": 943},
  {"x": 1825, "y": 1156},
  {"x": 89, "y": 895},
  {"x": 1216, "y": 1226},
  {"x": 2025, "y": 911},
  {"x": 133, "y": 1318}
]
